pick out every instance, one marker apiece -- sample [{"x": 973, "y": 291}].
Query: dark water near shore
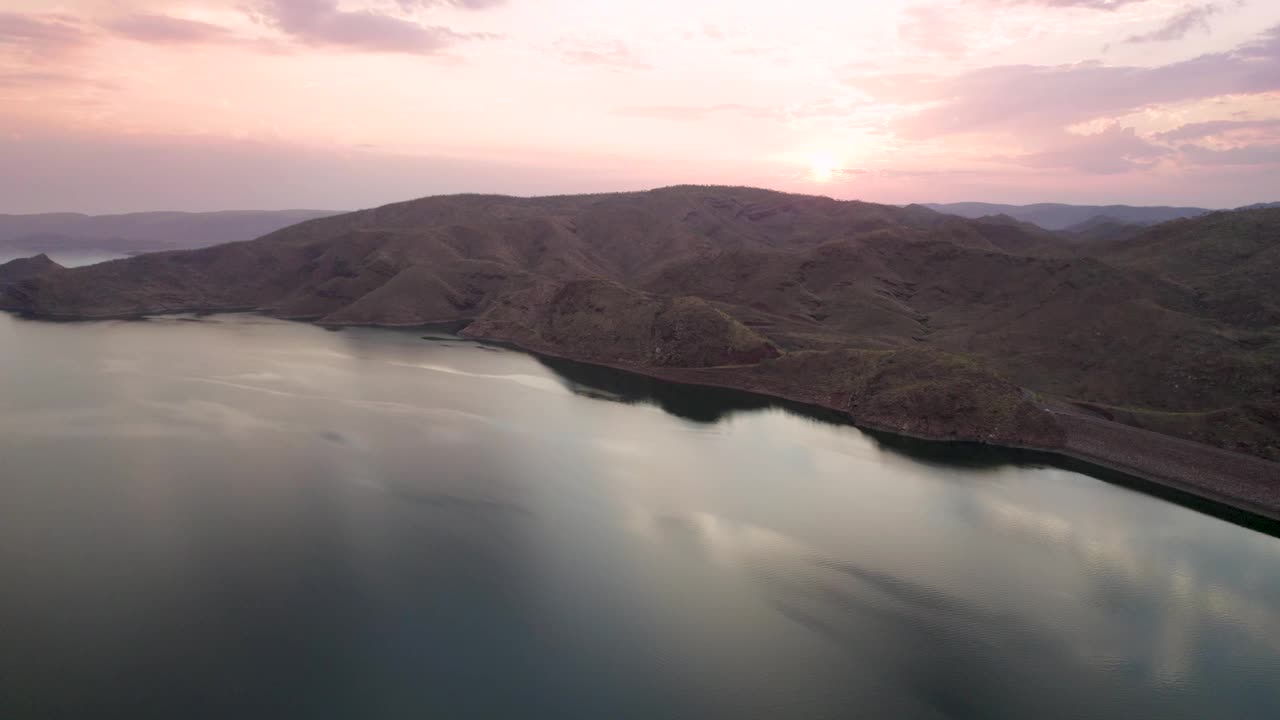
[{"x": 240, "y": 518}]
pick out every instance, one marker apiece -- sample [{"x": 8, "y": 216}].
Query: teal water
[{"x": 239, "y": 517}]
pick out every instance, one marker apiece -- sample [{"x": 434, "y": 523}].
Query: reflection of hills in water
[
  {"x": 704, "y": 404},
  {"x": 697, "y": 403}
]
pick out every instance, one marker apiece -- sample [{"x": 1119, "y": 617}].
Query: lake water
[{"x": 236, "y": 517}]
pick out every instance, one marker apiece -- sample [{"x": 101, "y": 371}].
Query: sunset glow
[
  {"x": 208, "y": 104},
  {"x": 823, "y": 167}
]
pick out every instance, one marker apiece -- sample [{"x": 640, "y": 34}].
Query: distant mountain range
[
  {"x": 1086, "y": 219},
  {"x": 141, "y": 232},
  {"x": 1056, "y": 216},
  {"x": 134, "y": 233}
]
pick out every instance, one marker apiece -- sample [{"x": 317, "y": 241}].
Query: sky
[{"x": 127, "y": 105}]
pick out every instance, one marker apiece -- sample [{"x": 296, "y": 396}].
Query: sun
[{"x": 823, "y": 167}]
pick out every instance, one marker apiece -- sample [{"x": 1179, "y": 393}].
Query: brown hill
[
  {"x": 1230, "y": 260},
  {"x": 26, "y": 268},
  {"x": 903, "y": 317},
  {"x": 627, "y": 326}
]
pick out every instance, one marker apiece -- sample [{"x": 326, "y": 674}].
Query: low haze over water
[{"x": 241, "y": 517}]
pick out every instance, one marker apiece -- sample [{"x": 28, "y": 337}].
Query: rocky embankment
[{"x": 935, "y": 396}]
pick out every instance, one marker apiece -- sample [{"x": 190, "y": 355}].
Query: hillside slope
[
  {"x": 26, "y": 268},
  {"x": 1173, "y": 332}
]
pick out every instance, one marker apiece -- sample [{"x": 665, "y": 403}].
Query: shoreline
[
  {"x": 1241, "y": 489},
  {"x": 1204, "y": 482}
]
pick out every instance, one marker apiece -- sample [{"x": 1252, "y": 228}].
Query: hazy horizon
[
  {"x": 138, "y": 105},
  {"x": 67, "y": 211}
]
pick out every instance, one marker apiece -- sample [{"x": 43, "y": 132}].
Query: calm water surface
[{"x": 241, "y": 518}]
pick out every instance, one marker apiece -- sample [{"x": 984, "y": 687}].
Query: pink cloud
[
  {"x": 43, "y": 33},
  {"x": 1038, "y": 98},
  {"x": 163, "y": 29},
  {"x": 1114, "y": 150},
  {"x": 1247, "y": 155},
  {"x": 463, "y": 4},
  {"x": 321, "y": 22},
  {"x": 1214, "y": 128},
  {"x": 756, "y": 98},
  {"x": 1179, "y": 26},
  {"x": 1093, "y": 4},
  {"x": 39, "y": 79}
]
